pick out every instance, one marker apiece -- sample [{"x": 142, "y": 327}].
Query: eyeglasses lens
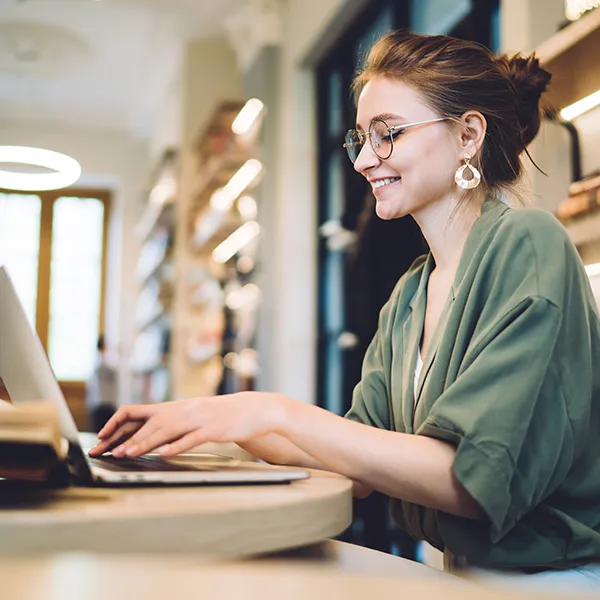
[
  {"x": 381, "y": 139},
  {"x": 354, "y": 142}
]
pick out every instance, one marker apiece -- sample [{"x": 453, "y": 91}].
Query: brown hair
[{"x": 455, "y": 76}]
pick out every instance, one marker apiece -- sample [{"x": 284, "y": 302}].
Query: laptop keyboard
[{"x": 143, "y": 463}]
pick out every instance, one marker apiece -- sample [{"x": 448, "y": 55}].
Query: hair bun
[{"x": 529, "y": 81}]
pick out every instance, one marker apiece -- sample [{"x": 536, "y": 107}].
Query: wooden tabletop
[
  {"x": 221, "y": 521},
  {"x": 86, "y": 577}
]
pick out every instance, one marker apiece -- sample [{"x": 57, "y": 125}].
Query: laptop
[{"x": 27, "y": 375}]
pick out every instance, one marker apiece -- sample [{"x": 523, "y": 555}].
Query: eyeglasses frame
[{"x": 367, "y": 134}]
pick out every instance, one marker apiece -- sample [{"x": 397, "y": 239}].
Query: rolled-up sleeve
[{"x": 507, "y": 415}]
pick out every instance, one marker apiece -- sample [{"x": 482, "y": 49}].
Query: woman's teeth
[{"x": 381, "y": 182}]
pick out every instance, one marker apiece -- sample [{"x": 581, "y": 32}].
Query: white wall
[
  {"x": 304, "y": 21},
  {"x": 209, "y": 75},
  {"x": 116, "y": 162},
  {"x": 527, "y": 23},
  {"x": 167, "y": 131}
]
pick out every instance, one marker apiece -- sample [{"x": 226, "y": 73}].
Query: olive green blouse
[{"x": 512, "y": 379}]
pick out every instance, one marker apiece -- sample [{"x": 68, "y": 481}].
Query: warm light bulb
[
  {"x": 246, "y": 117},
  {"x": 236, "y": 241},
  {"x": 581, "y": 106},
  {"x": 247, "y": 208}
]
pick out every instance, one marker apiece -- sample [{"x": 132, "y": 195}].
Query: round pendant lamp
[{"x": 64, "y": 170}]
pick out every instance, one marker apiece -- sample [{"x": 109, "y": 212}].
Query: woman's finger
[
  {"x": 184, "y": 443},
  {"x": 149, "y": 437},
  {"x": 140, "y": 412},
  {"x": 117, "y": 438}
]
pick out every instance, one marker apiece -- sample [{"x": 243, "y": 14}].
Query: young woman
[{"x": 478, "y": 411}]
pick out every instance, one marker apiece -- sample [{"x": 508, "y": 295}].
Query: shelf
[
  {"x": 219, "y": 127},
  {"x": 571, "y": 55},
  {"x": 569, "y": 37},
  {"x": 201, "y": 323},
  {"x": 154, "y": 276},
  {"x": 154, "y": 216},
  {"x": 584, "y": 229},
  {"x": 216, "y": 173},
  {"x": 156, "y": 269},
  {"x": 221, "y": 231},
  {"x": 163, "y": 317},
  {"x": 148, "y": 370}
]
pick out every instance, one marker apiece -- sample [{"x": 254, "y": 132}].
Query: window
[
  {"x": 53, "y": 246},
  {"x": 341, "y": 201},
  {"x": 20, "y": 218}
]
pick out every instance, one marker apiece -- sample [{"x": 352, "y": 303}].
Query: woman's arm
[
  {"x": 275, "y": 449},
  {"x": 414, "y": 468}
]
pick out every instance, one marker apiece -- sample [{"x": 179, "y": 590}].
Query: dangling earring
[{"x": 467, "y": 184}]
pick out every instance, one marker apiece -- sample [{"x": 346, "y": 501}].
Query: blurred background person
[{"x": 101, "y": 390}]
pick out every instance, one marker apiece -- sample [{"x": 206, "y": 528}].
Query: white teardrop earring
[{"x": 467, "y": 184}]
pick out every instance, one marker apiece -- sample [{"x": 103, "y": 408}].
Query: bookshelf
[
  {"x": 215, "y": 301},
  {"x": 155, "y": 278},
  {"x": 571, "y": 55}
]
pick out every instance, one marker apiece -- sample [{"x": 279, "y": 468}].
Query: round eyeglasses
[{"x": 381, "y": 136}]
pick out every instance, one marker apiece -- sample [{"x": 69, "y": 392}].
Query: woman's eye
[{"x": 396, "y": 133}]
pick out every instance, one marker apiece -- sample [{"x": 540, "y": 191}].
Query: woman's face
[{"x": 424, "y": 158}]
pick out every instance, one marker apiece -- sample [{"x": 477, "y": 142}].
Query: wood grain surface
[
  {"x": 223, "y": 521},
  {"x": 87, "y": 577}
]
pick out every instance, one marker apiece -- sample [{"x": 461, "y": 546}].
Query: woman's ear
[{"x": 472, "y": 133}]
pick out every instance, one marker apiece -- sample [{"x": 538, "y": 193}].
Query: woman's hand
[{"x": 181, "y": 425}]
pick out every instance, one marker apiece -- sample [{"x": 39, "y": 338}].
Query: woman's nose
[{"x": 366, "y": 159}]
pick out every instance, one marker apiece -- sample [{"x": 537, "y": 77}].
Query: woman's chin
[{"x": 387, "y": 210}]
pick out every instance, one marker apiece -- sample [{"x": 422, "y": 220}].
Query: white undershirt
[{"x": 418, "y": 369}]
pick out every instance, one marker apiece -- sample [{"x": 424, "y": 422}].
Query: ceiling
[{"x": 97, "y": 63}]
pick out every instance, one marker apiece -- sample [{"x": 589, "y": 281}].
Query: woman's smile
[{"x": 380, "y": 186}]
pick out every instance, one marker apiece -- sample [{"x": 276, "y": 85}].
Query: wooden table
[
  {"x": 86, "y": 577},
  {"x": 221, "y": 521}
]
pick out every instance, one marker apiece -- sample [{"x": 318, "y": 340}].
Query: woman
[{"x": 478, "y": 411}]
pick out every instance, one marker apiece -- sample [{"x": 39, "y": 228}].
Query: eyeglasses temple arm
[{"x": 407, "y": 125}]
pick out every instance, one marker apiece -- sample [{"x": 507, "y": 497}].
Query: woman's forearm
[
  {"x": 276, "y": 449},
  {"x": 414, "y": 468}
]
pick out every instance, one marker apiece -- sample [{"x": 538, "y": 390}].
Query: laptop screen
[{"x": 24, "y": 366}]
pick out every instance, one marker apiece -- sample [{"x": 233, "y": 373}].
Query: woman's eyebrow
[
  {"x": 386, "y": 116},
  {"x": 381, "y": 117}
]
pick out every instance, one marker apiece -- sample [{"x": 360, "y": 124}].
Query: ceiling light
[
  {"x": 247, "y": 116},
  {"x": 66, "y": 169},
  {"x": 223, "y": 198},
  {"x": 236, "y": 241},
  {"x": 220, "y": 200},
  {"x": 247, "y": 208},
  {"x": 581, "y": 106},
  {"x": 593, "y": 270}
]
